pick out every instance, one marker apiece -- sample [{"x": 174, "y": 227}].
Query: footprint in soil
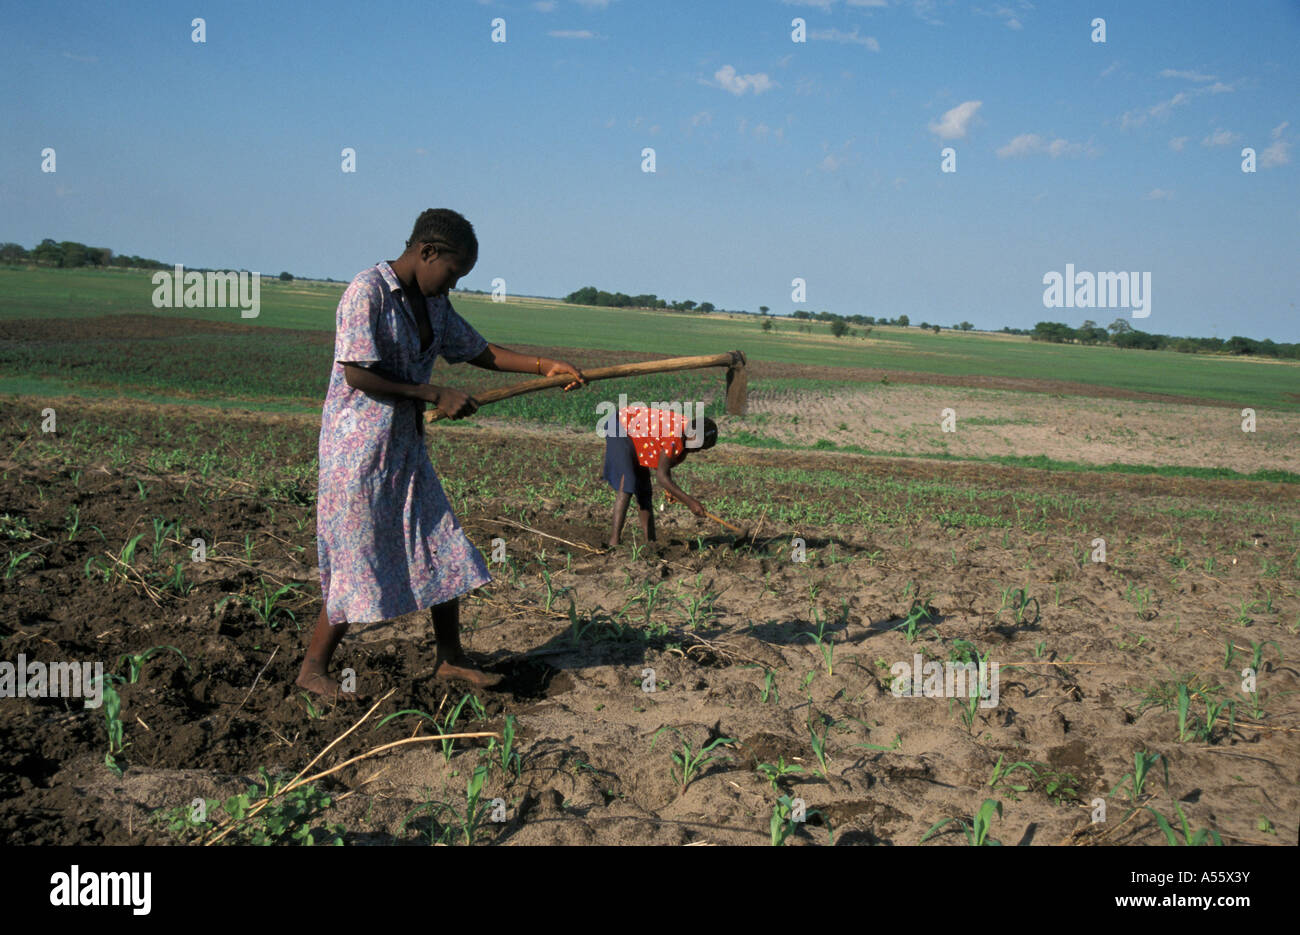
[
  {"x": 768, "y": 748},
  {"x": 530, "y": 680}
]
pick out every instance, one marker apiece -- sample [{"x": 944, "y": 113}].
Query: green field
[{"x": 292, "y": 375}]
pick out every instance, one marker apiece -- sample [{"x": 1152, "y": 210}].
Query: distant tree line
[
  {"x": 1117, "y": 334},
  {"x": 590, "y": 295},
  {"x": 69, "y": 254},
  {"x": 1120, "y": 333},
  {"x": 902, "y": 321}
]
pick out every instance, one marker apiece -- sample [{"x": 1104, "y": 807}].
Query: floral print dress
[{"x": 388, "y": 541}]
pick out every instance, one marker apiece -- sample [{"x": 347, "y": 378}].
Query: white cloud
[
  {"x": 702, "y": 119},
  {"x": 572, "y": 34},
  {"x": 1028, "y": 144},
  {"x": 1060, "y": 147},
  {"x": 1276, "y": 132},
  {"x": 594, "y": 4},
  {"x": 838, "y": 35},
  {"x": 825, "y": 5},
  {"x": 1219, "y": 137},
  {"x": 727, "y": 79},
  {"x": 1276, "y": 154},
  {"x": 544, "y": 6},
  {"x": 1177, "y": 143},
  {"x": 1158, "y": 194},
  {"x": 835, "y": 159},
  {"x": 1022, "y": 145},
  {"x": 924, "y": 10},
  {"x": 1186, "y": 75},
  {"x": 1109, "y": 70},
  {"x": 762, "y": 131},
  {"x": 1136, "y": 118},
  {"x": 1163, "y": 107},
  {"x": 954, "y": 124},
  {"x": 1010, "y": 18}
]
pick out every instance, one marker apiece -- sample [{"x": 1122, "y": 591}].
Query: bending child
[{"x": 651, "y": 440}]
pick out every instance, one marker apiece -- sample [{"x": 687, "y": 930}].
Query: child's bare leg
[
  {"x": 620, "y": 514},
  {"x": 314, "y": 675},
  {"x": 451, "y": 662},
  {"x": 648, "y": 524}
]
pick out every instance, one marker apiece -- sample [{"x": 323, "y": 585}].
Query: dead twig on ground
[
  {"x": 253, "y": 686},
  {"x": 538, "y": 532}
]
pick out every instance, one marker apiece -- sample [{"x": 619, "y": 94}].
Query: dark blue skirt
[{"x": 624, "y": 473}]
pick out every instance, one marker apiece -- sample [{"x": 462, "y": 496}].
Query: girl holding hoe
[{"x": 388, "y": 541}]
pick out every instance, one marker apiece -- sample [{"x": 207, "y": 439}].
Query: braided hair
[{"x": 446, "y": 230}]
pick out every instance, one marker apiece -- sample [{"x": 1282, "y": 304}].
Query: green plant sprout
[
  {"x": 266, "y": 606},
  {"x": 1000, "y": 779},
  {"x": 112, "y": 703},
  {"x": 505, "y": 754},
  {"x": 825, "y": 646},
  {"x": 448, "y": 725},
  {"x": 819, "y": 748},
  {"x": 135, "y": 663},
  {"x": 977, "y": 828},
  {"x": 896, "y": 745},
  {"x": 783, "y": 824},
  {"x": 470, "y": 819},
  {"x": 1190, "y": 838},
  {"x": 769, "y": 689},
  {"x": 1136, "y": 780},
  {"x": 691, "y": 762},
  {"x": 775, "y": 772},
  {"x": 911, "y": 624},
  {"x": 287, "y": 821}
]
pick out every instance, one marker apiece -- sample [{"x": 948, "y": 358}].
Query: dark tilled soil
[{"x": 203, "y": 726}]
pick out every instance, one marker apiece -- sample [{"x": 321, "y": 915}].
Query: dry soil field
[{"x": 785, "y": 663}]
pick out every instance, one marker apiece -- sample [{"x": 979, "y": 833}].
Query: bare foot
[
  {"x": 319, "y": 683},
  {"x": 461, "y": 670}
]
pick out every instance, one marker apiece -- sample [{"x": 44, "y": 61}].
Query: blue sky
[{"x": 774, "y": 159}]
